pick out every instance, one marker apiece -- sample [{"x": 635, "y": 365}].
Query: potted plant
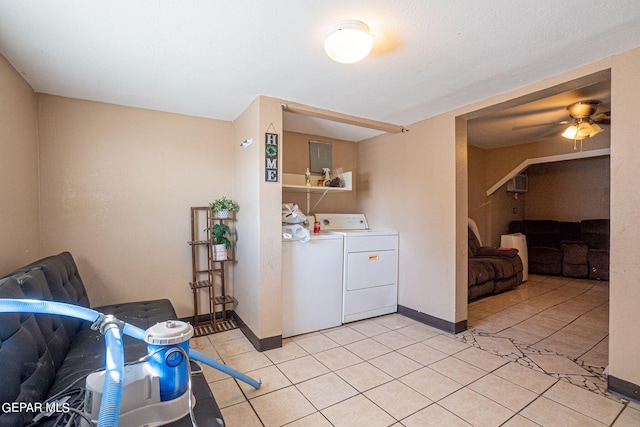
[
  {"x": 221, "y": 239},
  {"x": 222, "y": 207}
]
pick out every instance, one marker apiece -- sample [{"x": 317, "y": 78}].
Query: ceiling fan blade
[
  {"x": 564, "y": 122},
  {"x": 603, "y": 118}
]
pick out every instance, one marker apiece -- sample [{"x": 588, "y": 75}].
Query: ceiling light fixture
[
  {"x": 583, "y": 125},
  {"x": 582, "y": 129},
  {"x": 595, "y": 129},
  {"x": 348, "y": 42},
  {"x": 570, "y": 132}
]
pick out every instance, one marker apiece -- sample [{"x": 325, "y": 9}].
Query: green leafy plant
[
  {"x": 219, "y": 233},
  {"x": 222, "y": 204}
]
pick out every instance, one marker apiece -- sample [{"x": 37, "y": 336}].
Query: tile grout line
[
  {"x": 578, "y": 361},
  {"x": 471, "y": 335}
]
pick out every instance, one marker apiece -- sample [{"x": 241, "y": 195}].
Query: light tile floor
[{"x": 531, "y": 357}]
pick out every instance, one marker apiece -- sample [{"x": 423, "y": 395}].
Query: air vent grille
[{"x": 518, "y": 184}]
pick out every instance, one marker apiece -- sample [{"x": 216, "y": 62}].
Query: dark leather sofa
[
  {"x": 492, "y": 270},
  {"x": 41, "y": 354},
  {"x": 561, "y": 248}
]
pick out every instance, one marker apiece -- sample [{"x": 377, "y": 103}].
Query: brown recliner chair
[{"x": 492, "y": 270}]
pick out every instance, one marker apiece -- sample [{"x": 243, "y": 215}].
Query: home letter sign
[{"x": 271, "y": 157}]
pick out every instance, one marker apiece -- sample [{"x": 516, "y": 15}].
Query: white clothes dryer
[{"x": 370, "y": 267}]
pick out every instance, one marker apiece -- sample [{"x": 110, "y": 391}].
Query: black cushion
[
  {"x": 569, "y": 231},
  {"x": 595, "y": 233},
  {"x": 542, "y": 233},
  {"x": 27, "y": 367},
  {"x": 64, "y": 284},
  {"x": 545, "y": 260},
  {"x": 574, "y": 261}
]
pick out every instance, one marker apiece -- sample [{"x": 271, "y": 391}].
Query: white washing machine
[
  {"x": 311, "y": 284},
  {"x": 370, "y": 267}
]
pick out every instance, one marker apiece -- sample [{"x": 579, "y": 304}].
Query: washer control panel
[{"x": 338, "y": 222}]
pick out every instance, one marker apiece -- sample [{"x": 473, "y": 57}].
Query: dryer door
[{"x": 370, "y": 269}]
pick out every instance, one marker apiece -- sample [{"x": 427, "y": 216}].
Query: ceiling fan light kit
[
  {"x": 595, "y": 129},
  {"x": 581, "y": 130},
  {"x": 348, "y": 42},
  {"x": 571, "y": 132},
  {"x": 583, "y": 126},
  {"x": 584, "y": 121},
  {"x": 583, "y": 109}
]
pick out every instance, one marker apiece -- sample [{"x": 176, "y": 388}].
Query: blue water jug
[{"x": 168, "y": 343}]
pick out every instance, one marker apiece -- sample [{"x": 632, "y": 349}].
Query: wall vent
[{"x": 518, "y": 184}]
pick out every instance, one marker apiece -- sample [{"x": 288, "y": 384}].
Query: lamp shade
[
  {"x": 595, "y": 129},
  {"x": 348, "y": 42},
  {"x": 584, "y": 130},
  {"x": 570, "y": 132}
]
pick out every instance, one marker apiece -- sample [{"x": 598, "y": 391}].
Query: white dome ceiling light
[{"x": 348, "y": 42}]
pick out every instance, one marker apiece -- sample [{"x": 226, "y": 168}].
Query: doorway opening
[{"x": 558, "y": 323}]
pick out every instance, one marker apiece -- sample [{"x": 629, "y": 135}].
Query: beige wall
[
  {"x": 491, "y": 213},
  {"x": 246, "y": 191},
  {"x": 624, "y": 335},
  {"x": 407, "y": 182},
  {"x": 295, "y": 159},
  {"x": 257, "y": 273},
  {"x": 501, "y": 161},
  {"x": 116, "y": 187},
  {"x": 568, "y": 191},
  {"x": 270, "y": 235},
  {"x": 502, "y": 207},
  {"x": 432, "y": 166},
  {"x": 476, "y": 171},
  {"x": 19, "y": 192}
]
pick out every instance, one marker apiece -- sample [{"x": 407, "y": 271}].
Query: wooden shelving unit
[{"x": 208, "y": 275}]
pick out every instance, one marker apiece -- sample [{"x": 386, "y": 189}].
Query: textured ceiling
[{"x": 212, "y": 58}]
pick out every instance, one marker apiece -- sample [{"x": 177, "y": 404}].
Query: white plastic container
[{"x": 518, "y": 241}]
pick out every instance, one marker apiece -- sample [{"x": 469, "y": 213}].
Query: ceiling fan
[{"x": 584, "y": 120}]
